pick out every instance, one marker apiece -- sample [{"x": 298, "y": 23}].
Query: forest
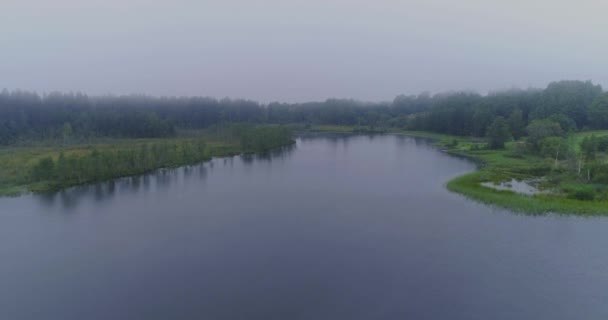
[
  {"x": 74, "y": 117},
  {"x": 54, "y": 167},
  {"x": 549, "y": 123}
]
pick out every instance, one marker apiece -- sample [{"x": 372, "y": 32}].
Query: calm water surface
[{"x": 338, "y": 227}]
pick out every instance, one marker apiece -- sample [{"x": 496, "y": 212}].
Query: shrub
[
  {"x": 586, "y": 194},
  {"x": 43, "y": 169},
  {"x": 498, "y": 133},
  {"x": 541, "y": 129},
  {"x": 600, "y": 173},
  {"x": 552, "y": 146}
]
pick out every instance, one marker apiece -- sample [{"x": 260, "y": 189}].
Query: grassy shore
[
  {"x": 496, "y": 166},
  {"x": 17, "y": 163},
  {"x": 114, "y": 158},
  {"x": 503, "y": 165}
]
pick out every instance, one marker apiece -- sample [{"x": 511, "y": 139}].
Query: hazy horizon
[
  {"x": 299, "y": 51},
  {"x": 387, "y": 100}
]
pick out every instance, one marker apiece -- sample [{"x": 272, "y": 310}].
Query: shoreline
[
  {"x": 493, "y": 166},
  {"x": 470, "y": 184},
  {"x": 45, "y": 187},
  {"x": 498, "y": 166},
  {"x": 86, "y": 164}
]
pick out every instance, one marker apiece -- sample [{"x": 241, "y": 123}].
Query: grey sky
[{"x": 299, "y": 50}]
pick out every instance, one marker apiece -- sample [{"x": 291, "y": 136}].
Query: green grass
[
  {"x": 495, "y": 166},
  {"x": 504, "y": 165},
  {"x": 576, "y": 138},
  {"x": 469, "y": 185},
  {"x": 16, "y": 163}
]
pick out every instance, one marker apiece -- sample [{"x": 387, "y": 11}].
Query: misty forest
[
  {"x": 71, "y": 118},
  {"x": 98, "y": 138},
  {"x": 90, "y": 139},
  {"x": 303, "y": 160}
]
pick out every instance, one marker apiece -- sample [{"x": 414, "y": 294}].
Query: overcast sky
[{"x": 283, "y": 50}]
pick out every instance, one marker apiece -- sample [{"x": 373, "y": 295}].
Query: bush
[
  {"x": 498, "y": 133},
  {"x": 541, "y": 129},
  {"x": 600, "y": 173},
  {"x": 552, "y": 146},
  {"x": 453, "y": 143},
  {"x": 43, "y": 170},
  {"x": 520, "y": 148},
  {"x": 586, "y": 194}
]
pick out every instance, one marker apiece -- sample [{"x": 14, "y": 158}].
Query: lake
[{"x": 335, "y": 227}]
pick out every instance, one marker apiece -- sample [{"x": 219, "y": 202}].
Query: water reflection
[
  {"x": 336, "y": 138},
  {"x": 345, "y": 228},
  {"x": 276, "y": 154},
  {"x": 158, "y": 181}
]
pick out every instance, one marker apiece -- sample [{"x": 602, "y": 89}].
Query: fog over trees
[{"x": 73, "y": 117}]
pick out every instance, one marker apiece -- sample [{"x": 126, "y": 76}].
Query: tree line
[
  {"x": 94, "y": 165},
  {"x": 98, "y": 165},
  {"x": 574, "y": 105}
]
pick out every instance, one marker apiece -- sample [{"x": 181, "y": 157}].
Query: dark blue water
[{"x": 338, "y": 227}]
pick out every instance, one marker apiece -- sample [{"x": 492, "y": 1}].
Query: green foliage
[
  {"x": 565, "y": 191},
  {"x": 589, "y": 146},
  {"x": 44, "y": 170},
  {"x": 565, "y": 122},
  {"x": 517, "y": 123},
  {"x": 254, "y": 138},
  {"x": 470, "y": 186},
  {"x": 584, "y": 194},
  {"x": 263, "y": 139},
  {"x": 26, "y": 117},
  {"x": 570, "y": 98},
  {"x": 598, "y": 112},
  {"x": 520, "y": 149},
  {"x": 99, "y": 165},
  {"x": 498, "y": 133},
  {"x": 67, "y": 132},
  {"x": 554, "y": 147},
  {"x": 482, "y": 118},
  {"x": 541, "y": 129},
  {"x": 599, "y": 173}
]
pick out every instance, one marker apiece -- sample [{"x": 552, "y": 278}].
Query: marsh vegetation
[{"x": 557, "y": 134}]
